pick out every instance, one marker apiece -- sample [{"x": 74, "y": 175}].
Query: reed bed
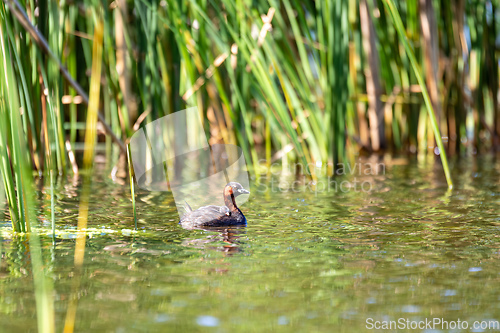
[{"x": 315, "y": 82}]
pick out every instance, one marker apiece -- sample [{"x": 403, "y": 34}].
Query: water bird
[{"x": 217, "y": 216}]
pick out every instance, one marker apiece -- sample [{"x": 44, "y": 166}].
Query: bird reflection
[{"x": 224, "y": 239}]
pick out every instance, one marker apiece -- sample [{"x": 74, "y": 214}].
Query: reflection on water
[
  {"x": 307, "y": 261},
  {"x": 225, "y": 239}
]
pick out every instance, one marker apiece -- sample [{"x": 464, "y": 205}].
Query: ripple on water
[{"x": 305, "y": 262}]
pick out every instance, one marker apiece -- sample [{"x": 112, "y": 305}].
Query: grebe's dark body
[{"x": 217, "y": 216}]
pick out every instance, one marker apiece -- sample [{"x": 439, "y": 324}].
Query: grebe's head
[{"x": 235, "y": 189}]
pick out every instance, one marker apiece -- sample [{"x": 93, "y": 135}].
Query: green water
[{"x": 307, "y": 262}]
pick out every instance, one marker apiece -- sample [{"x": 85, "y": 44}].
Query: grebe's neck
[{"x": 229, "y": 199}]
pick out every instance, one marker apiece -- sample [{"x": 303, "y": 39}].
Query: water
[{"x": 329, "y": 261}]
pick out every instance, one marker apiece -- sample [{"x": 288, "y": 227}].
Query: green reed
[
  {"x": 17, "y": 173},
  {"x": 88, "y": 162},
  {"x": 278, "y": 78},
  {"x": 132, "y": 187},
  {"x": 282, "y": 79},
  {"x": 437, "y": 135}
]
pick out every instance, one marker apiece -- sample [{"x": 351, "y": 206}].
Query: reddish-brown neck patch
[
  {"x": 229, "y": 198},
  {"x": 228, "y": 191}
]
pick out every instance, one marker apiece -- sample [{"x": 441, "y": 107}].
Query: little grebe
[{"x": 217, "y": 216}]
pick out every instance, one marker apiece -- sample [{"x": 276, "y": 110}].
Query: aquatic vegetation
[
  {"x": 308, "y": 83},
  {"x": 416, "y": 68},
  {"x": 132, "y": 187},
  {"x": 280, "y": 82}
]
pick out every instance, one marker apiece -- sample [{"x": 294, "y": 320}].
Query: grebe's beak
[{"x": 243, "y": 191}]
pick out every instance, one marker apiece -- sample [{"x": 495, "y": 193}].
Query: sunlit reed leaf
[
  {"x": 391, "y": 7},
  {"x": 132, "y": 189}
]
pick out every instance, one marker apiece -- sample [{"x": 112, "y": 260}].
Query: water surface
[{"x": 307, "y": 261}]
